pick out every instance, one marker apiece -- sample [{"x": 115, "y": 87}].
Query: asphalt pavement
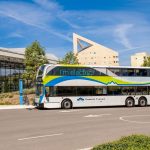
[{"x": 75, "y": 129}]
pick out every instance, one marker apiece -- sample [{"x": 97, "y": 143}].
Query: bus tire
[
  {"x": 66, "y": 104},
  {"x": 142, "y": 101},
  {"x": 129, "y": 102}
]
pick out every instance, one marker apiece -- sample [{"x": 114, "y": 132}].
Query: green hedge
[{"x": 133, "y": 142}]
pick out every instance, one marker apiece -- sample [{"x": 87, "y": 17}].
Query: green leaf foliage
[
  {"x": 34, "y": 57},
  {"x": 69, "y": 58},
  {"x": 133, "y": 142},
  {"x": 147, "y": 62}
]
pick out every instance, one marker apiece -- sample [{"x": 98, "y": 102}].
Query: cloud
[
  {"x": 121, "y": 32},
  {"x": 57, "y": 9},
  {"x": 49, "y": 5},
  {"x": 31, "y": 15},
  {"x": 15, "y": 35}
]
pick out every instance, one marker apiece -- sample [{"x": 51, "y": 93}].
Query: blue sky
[{"x": 122, "y": 25}]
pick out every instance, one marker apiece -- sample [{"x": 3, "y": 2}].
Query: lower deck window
[{"x": 97, "y": 91}]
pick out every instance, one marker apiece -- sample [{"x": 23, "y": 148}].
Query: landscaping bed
[
  {"x": 12, "y": 98},
  {"x": 133, "y": 142}
]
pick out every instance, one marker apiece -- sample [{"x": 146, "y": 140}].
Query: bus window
[
  {"x": 84, "y": 91},
  {"x": 141, "y": 72},
  {"x": 148, "y": 90},
  {"x": 116, "y": 71},
  {"x": 39, "y": 90},
  {"x": 100, "y": 91},
  {"x": 141, "y": 90},
  {"x": 47, "y": 91},
  {"x": 128, "y": 90},
  {"x": 114, "y": 90},
  {"x": 75, "y": 71},
  {"x": 65, "y": 91},
  {"x": 131, "y": 72},
  {"x": 128, "y": 72},
  {"x": 41, "y": 70}
]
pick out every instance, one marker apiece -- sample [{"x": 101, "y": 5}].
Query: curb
[{"x": 3, "y": 107}]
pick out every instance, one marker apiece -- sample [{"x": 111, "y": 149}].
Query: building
[
  {"x": 137, "y": 59},
  {"x": 12, "y": 66},
  {"x": 91, "y": 53}
]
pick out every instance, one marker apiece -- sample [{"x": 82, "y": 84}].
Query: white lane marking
[
  {"x": 132, "y": 121},
  {"x": 67, "y": 111},
  {"x": 41, "y": 136},
  {"x": 101, "y": 115},
  {"x": 89, "y": 148}
]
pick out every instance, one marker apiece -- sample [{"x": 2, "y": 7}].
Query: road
[{"x": 76, "y": 129}]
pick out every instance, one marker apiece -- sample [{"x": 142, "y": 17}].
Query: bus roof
[{"x": 94, "y": 66}]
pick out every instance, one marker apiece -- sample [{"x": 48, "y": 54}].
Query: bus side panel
[
  {"x": 89, "y": 101},
  {"x": 53, "y": 102}
]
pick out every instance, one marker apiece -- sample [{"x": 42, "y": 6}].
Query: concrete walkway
[{"x": 2, "y": 107}]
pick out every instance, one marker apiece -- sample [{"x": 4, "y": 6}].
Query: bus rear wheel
[
  {"x": 129, "y": 102},
  {"x": 67, "y": 104},
  {"x": 142, "y": 102}
]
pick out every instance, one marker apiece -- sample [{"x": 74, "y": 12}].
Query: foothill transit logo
[{"x": 80, "y": 99}]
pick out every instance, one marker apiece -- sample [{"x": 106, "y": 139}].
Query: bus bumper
[{"x": 39, "y": 105}]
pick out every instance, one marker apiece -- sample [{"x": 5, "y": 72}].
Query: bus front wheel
[
  {"x": 66, "y": 104},
  {"x": 142, "y": 102},
  {"x": 129, "y": 102}
]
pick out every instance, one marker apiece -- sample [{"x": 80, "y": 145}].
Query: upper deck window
[
  {"x": 75, "y": 71},
  {"x": 130, "y": 72}
]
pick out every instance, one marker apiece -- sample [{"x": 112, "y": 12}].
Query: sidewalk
[{"x": 2, "y": 107}]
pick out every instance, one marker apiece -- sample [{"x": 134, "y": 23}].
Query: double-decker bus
[{"x": 68, "y": 86}]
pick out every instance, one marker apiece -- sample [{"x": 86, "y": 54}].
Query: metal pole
[{"x": 21, "y": 91}]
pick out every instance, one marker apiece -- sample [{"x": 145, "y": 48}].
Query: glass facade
[
  {"x": 10, "y": 73},
  {"x": 11, "y": 70}
]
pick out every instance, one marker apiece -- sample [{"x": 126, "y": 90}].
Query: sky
[{"x": 122, "y": 25}]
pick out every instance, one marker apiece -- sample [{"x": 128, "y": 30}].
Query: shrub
[
  {"x": 29, "y": 91},
  {"x": 133, "y": 142},
  {"x": 10, "y": 95}
]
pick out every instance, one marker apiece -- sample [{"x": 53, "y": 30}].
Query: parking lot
[{"x": 75, "y": 129}]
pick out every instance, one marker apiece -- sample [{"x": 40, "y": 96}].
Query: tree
[
  {"x": 147, "y": 62},
  {"x": 69, "y": 58},
  {"x": 34, "y": 57}
]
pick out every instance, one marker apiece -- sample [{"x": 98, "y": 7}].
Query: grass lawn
[{"x": 133, "y": 142}]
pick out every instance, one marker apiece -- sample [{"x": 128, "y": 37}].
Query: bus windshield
[{"x": 41, "y": 70}]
